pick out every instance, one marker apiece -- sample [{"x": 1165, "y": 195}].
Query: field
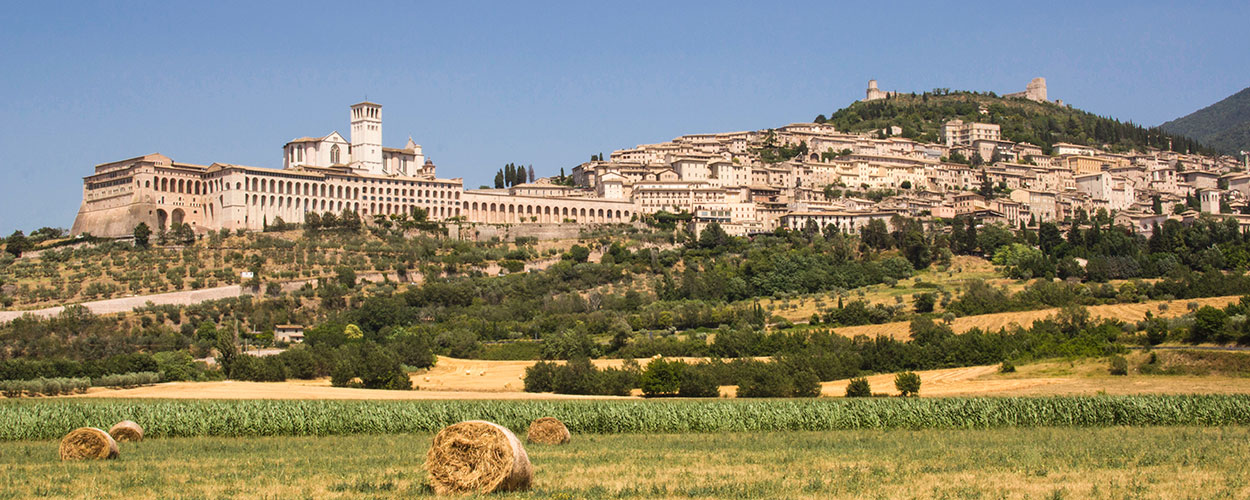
[
  {"x": 1112, "y": 463},
  {"x": 49, "y": 419},
  {"x": 1122, "y": 312}
]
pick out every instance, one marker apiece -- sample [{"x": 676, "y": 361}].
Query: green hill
[
  {"x": 1044, "y": 124},
  {"x": 1224, "y": 126}
]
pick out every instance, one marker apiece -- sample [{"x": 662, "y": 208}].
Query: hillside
[
  {"x": 1224, "y": 126},
  {"x": 920, "y": 116}
]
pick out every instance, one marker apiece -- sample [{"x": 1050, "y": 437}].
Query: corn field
[{"x": 49, "y": 419}]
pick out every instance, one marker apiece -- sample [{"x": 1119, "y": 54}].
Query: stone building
[{"x": 326, "y": 174}]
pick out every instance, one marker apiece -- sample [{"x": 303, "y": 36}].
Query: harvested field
[
  {"x": 1113, "y": 462},
  {"x": 1123, "y": 312},
  {"x": 448, "y": 381}
]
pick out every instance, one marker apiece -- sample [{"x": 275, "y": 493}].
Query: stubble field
[{"x": 1112, "y": 463}]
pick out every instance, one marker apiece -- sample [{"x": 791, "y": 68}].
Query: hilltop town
[{"x": 747, "y": 182}]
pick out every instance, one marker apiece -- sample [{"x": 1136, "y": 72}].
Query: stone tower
[
  {"x": 1036, "y": 90},
  {"x": 367, "y": 137}
]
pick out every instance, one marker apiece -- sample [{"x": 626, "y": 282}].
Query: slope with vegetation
[
  {"x": 1223, "y": 126},
  {"x": 921, "y": 117}
]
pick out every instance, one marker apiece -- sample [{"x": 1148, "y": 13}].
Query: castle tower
[
  {"x": 366, "y": 136},
  {"x": 1036, "y": 90}
]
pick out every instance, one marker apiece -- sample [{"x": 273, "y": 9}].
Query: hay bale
[
  {"x": 88, "y": 443},
  {"x": 477, "y": 457},
  {"x": 548, "y": 430},
  {"x": 126, "y": 430}
]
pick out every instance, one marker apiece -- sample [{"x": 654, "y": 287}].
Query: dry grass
[
  {"x": 1123, "y": 312},
  {"x": 1112, "y": 463},
  {"x": 1085, "y": 377},
  {"x": 462, "y": 379}
]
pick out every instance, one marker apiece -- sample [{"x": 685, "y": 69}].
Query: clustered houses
[{"x": 721, "y": 178}]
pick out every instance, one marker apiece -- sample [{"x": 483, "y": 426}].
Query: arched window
[{"x": 334, "y": 155}]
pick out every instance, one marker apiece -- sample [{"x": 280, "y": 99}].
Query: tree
[
  {"x": 924, "y": 302},
  {"x": 499, "y": 180},
  {"x": 713, "y": 237},
  {"x": 1208, "y": 323},
  {"x": 350, "y": 220},
  {"x": 353, "y": 332},
  {"x": 531, "y": 172},
  {"x": 907, "y": 383},
  {"x": 312, "y": 221},
  {"x": 345, "y": 276},
  {"x": 876, "y": 235},
  {"x": 578, "y": 253},
  {"x": 858, "y": 388},
  {"x": 142, "y": 235},
  {"x": 227, "y": 350},
  {"x": 1048, "y": 237},
  {"x": 17, "y": 243},
  {"x": 661, "y": 378}
]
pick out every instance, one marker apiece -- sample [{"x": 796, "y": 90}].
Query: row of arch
[
  {"x": 522, "y": 212},
  {"x": 170, "y": 185}
]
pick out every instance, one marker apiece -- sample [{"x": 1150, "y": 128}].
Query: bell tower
[{"x": 366, "y": 136}]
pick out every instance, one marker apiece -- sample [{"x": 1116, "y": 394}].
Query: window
[{"x": 334, "y": 155}]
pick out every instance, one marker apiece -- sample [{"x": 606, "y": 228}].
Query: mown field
[
  {"x": 1111, "y": 463},
  {"x": 50, "y": 419}
]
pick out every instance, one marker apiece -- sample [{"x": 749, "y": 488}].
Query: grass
[
  {"x": 50, "y": 419},
  {"x": 1116, "y": 462}
]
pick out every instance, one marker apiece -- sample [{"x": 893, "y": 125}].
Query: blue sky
[{"x": 480, "y": 84}]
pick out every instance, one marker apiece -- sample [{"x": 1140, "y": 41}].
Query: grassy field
[{"x": 1111, "y": 463}]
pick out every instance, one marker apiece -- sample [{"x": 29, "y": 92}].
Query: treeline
[
  {"x": 513, "y": 174},
  {"x": 350, "y": 360},
  {"x": 801, "y": 359}
]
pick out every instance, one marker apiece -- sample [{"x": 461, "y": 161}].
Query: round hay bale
[
  {"x": 88, "y": 443},
  {"x": 126, "y": 430},
  {"x": 477, "y": 457},
  {"x": 548, "y": 430}
]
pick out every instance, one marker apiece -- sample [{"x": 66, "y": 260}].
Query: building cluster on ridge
[{"x": 721, "y": 178}]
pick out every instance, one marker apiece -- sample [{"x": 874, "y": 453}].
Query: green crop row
[{"x": 49, "y": 419}]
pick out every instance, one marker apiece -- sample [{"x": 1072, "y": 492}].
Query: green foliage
[
  {"x": 142, "y": 234},
  {"x": 1118, "y": 365},
  {"x": 1042, "y": 124},
  {"x": 907, "y": 383},
  {"x": 662, "y": 378},
  {"x": 48, "y": 419},
  {"x": 858, "y": 388},
  {"x": 1222, "y": 126}
]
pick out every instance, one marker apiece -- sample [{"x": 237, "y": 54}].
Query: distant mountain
[
  {"x": 1224, "y": 126},
  {"x": 920, "y": 116}
]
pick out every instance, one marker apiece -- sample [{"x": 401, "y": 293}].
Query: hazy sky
[{"x": 483, "y": 84}]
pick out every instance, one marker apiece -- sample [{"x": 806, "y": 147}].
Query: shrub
[
  {"x": 907, "y": 383},
  {"x": 539, "y": 377},
  {"x": 1006, "y": 367},
  {"x": 1119, "y": 365},
  {"x": 698, "y": 383},
  {"x": 858, "y": 388}
]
